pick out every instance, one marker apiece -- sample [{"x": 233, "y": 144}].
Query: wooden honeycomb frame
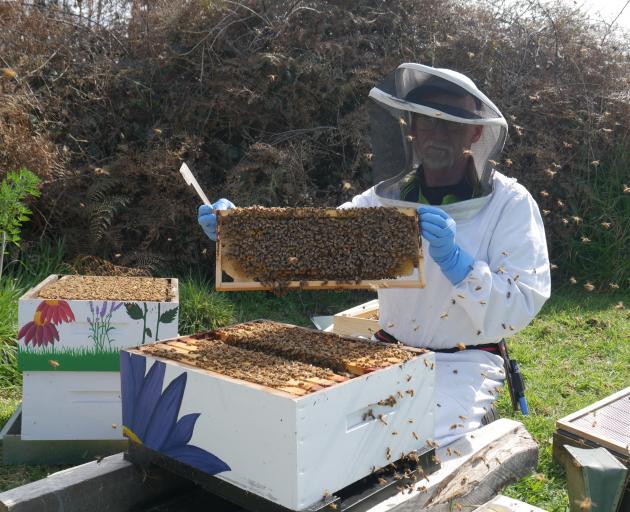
[
  {"x": 184, "y": 350},
  {"x": 242, "y": 282}
]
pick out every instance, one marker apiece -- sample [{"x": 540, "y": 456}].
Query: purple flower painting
[{"x": 150, "y": 415}]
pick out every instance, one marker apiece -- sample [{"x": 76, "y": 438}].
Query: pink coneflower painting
[
  {"x": 38, "y": 331},
  {"x": 55, "y": 311}
]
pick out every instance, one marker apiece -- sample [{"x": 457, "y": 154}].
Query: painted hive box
[
  {"x": 318, "y": 248},
  {"x": 79, "y": 323},
  {"x": 285, "y": 412},
  {"x": 361, "y": 320}
]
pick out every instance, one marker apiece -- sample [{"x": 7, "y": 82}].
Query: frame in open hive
[
  {"x": 285, "y": 357},
  {"x": 316, "y": 248},
  {"x": 285, "y": 412}
]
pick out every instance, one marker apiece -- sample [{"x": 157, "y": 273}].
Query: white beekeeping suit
[{"x": 500, "y": 227}]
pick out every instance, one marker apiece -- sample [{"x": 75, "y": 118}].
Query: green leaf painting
[
  {"x": 168, "y": 316},
  {"x": 134, "y": 311}
]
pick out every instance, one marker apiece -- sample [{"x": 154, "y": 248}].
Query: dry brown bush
[{"x": 266, "y": 102}]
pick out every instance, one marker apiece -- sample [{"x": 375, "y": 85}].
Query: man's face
[{"x": 442, "y": 145}]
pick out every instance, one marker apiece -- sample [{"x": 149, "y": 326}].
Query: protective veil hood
[{"x": 416, "y": 103}]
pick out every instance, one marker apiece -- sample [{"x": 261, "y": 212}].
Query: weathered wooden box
[
  {"x": 68, "y": 351},
  {"x": 361, "y": 320},
  {"x": 291, "y": 450}
]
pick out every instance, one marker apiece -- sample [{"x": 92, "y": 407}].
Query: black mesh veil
[{"x": 416, "y": 103}]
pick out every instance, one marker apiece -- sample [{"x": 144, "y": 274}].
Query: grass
[{"x": 574, "y": 353}]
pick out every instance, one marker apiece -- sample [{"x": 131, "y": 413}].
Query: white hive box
[
  {"x": 290, "y": 450},
  {"x": 68, "y": 351},
  {"x": 361, "y": 320}
]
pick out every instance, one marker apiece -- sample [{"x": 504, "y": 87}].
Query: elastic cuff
[{"x": 459, "y": 271}]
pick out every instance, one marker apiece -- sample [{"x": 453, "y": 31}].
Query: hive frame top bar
[
  {"x": 276, "y": 391},
  {"x": 242, "y": 282}
]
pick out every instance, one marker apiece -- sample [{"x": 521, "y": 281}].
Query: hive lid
[{"x": 606, "y": 422}]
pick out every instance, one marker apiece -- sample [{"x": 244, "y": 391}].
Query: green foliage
[
  {"x": 14, "y": 189},
  {"x": 202, "y": 308}
]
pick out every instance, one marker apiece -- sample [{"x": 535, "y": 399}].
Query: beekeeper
[{"x": 435, "y": 141}]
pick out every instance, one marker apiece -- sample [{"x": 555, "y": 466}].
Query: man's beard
[{"x": 437, "y": 156}]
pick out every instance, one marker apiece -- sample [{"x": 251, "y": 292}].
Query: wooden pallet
[{"x": 242, "y": 282}]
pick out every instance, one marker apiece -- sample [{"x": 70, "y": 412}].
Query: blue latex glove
[
  {"x": 439, "y": 229},
  {"x": 208, "y": 220}
]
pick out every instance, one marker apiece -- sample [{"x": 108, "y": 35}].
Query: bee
[
  {"x": 478, "y": 333},
  {"x": 455, "y": 371},
  {"x": 394, "y": 433},
  {"x": 99, "y": 458},
  {"x": 459, "y": 454},
  {"x": 444, "y": 315},
  {"x": 333, "y": 506},
  {"x": 114, "y": 425},
  {"x": 461, "y": 346},
  {"x": 408, "y": 378},
  {"x": 326, "y": 494},
  {"x": 53, "y": 363},
  {"x": 416, "y": 328},
  {"x": 501, "y": 269},
  {"x": 482, "y": 302},
  {"x": 572, "y": 280},
  {"x": 508, "y": 294},
  {"x": 589, "y": 287},
  {"x": 410, "y": 392},
  {"x": 477, "y": 288},
  {"x": 388, "y": 453},
  {"x": 382, "y": 419},
  {"x": 605, "y": 225},
  {"x": 415, "y": 436},
  {"x": 410, "y": 420},
  {"x": 585, "y": 504},
  {"x": 382, "y": 481}
]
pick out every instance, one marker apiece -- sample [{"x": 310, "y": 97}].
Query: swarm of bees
[
  {"x": 278, "y": 245},
  {"x": 293, "y": 359}
]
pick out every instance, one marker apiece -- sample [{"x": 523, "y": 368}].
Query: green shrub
[{"x": 15, "y": 188}]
